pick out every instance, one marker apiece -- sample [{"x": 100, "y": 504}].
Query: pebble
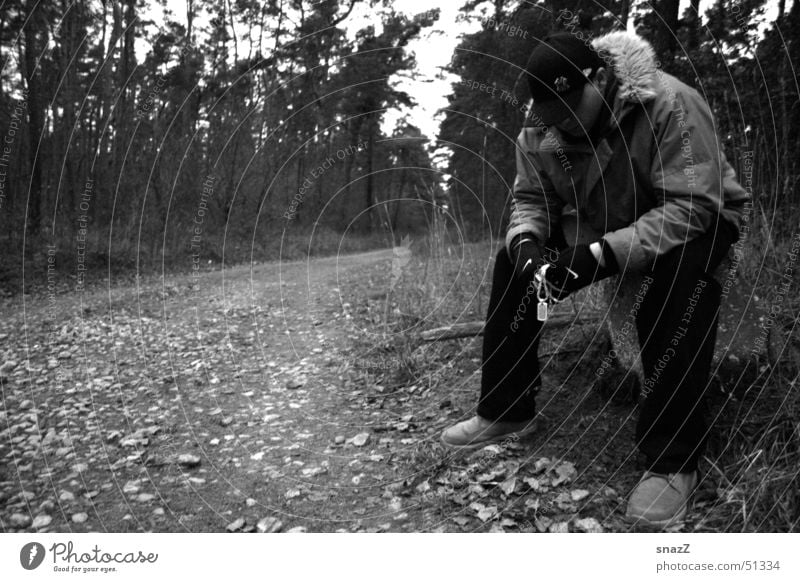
[
  {"x": 361, "y": 439},
  {"x": 41, "y": 521},
  {"x": 79, "y": 517},
  {"x": 131, "y": 487},
  {"x": 145, "y": 497},
  {"x": 339, "y": 440},
  {"x": 66, "y": 496}
]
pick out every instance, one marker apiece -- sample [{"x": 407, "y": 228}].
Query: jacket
[{"x": 655, "y": 180}]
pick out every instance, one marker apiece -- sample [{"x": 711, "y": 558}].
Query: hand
[
  {"x": 577, "y": 267},
  {"x": 526, "y": 254}
]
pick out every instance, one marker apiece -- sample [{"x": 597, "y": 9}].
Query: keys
[{"x": 541, "y": 294}]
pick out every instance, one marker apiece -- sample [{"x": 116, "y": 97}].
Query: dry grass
[{"x": 753, "y": 460}]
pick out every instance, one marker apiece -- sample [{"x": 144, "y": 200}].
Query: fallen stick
[{"x": 475, "y": 328}]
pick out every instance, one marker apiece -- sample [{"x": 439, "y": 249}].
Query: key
[{"x": 541, "y": 311}]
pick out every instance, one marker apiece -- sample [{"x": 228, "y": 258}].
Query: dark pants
[{"x": 676, "y": 323}]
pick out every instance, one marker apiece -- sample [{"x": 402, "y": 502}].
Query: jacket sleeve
[
  {"x": 535, "y": 207},
  {"x": 686, "y": 176}
]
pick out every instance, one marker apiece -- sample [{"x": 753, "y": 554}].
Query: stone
[
  {"x": 80, "y": 517},
  {"x": 269, "y": 525},
  {"x": 41, "y": 520},
  {"x": 361, "y": 439},
  {"x": 131, "y": 487}
]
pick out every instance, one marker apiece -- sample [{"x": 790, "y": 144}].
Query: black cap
[{"x": 555, "y": 72}]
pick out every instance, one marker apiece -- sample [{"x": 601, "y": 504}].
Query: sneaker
[
  {"x": 477, "y": 432},
  {"x": 661, "y": 500}
]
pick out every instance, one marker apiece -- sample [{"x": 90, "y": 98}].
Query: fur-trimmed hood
[{"x": 634, "y": 64}]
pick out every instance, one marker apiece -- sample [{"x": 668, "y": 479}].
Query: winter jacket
[{"x": 655, "y": 180}]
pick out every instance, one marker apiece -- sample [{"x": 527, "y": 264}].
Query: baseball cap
[{"x": 555, "y": 75}]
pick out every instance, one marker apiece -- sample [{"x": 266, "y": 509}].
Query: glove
[
  {"x": 576, "y": 268},
  {"x": 526, "y": 254}
]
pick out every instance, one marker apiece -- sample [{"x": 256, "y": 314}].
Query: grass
[{"x": 124, "y": 255}]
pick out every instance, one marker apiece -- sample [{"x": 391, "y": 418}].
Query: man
[{"x": 632, "y": 151}]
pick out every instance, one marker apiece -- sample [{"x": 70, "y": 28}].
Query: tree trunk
[
  {"x": 35, "y": 118},
  {"x": 370, "y": 198},
  {"x": 625, "y": 10}
]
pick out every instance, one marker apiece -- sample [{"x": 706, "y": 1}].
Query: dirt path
[{"x": 240, "y": 400}]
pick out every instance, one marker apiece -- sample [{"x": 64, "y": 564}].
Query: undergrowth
[{"x": 752, "y": 465}]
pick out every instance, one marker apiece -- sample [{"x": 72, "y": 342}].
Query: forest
[
  {"x": 227, "y": 229},
  {"x": 263, "y": 98}
]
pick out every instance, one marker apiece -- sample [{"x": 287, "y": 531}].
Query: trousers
[{"x": 676, "y": 323}]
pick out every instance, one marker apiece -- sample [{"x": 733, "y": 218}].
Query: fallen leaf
[
  {"x": 564, "y": 501},
  {"x": 588, "y": 525},
  {"x": 533, "y": 483},
  {"x": 541, "y": 465},
  {"x": 579, "y": 494},
  {"x": 565, "y": 473},
  {"x": 533, "y": 504},
  {"x": 509, "y": 485},
  {"x": 269, "y": 525}
]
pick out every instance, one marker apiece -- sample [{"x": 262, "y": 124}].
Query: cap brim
[{"x": 554, "y": 110}]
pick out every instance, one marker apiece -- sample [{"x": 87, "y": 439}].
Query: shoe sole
[
  {"x": 493, "y": 440},
  {"x": 662, "y": 523}
]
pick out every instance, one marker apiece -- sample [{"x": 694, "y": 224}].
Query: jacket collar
[{"x": 634, "y": 64}]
